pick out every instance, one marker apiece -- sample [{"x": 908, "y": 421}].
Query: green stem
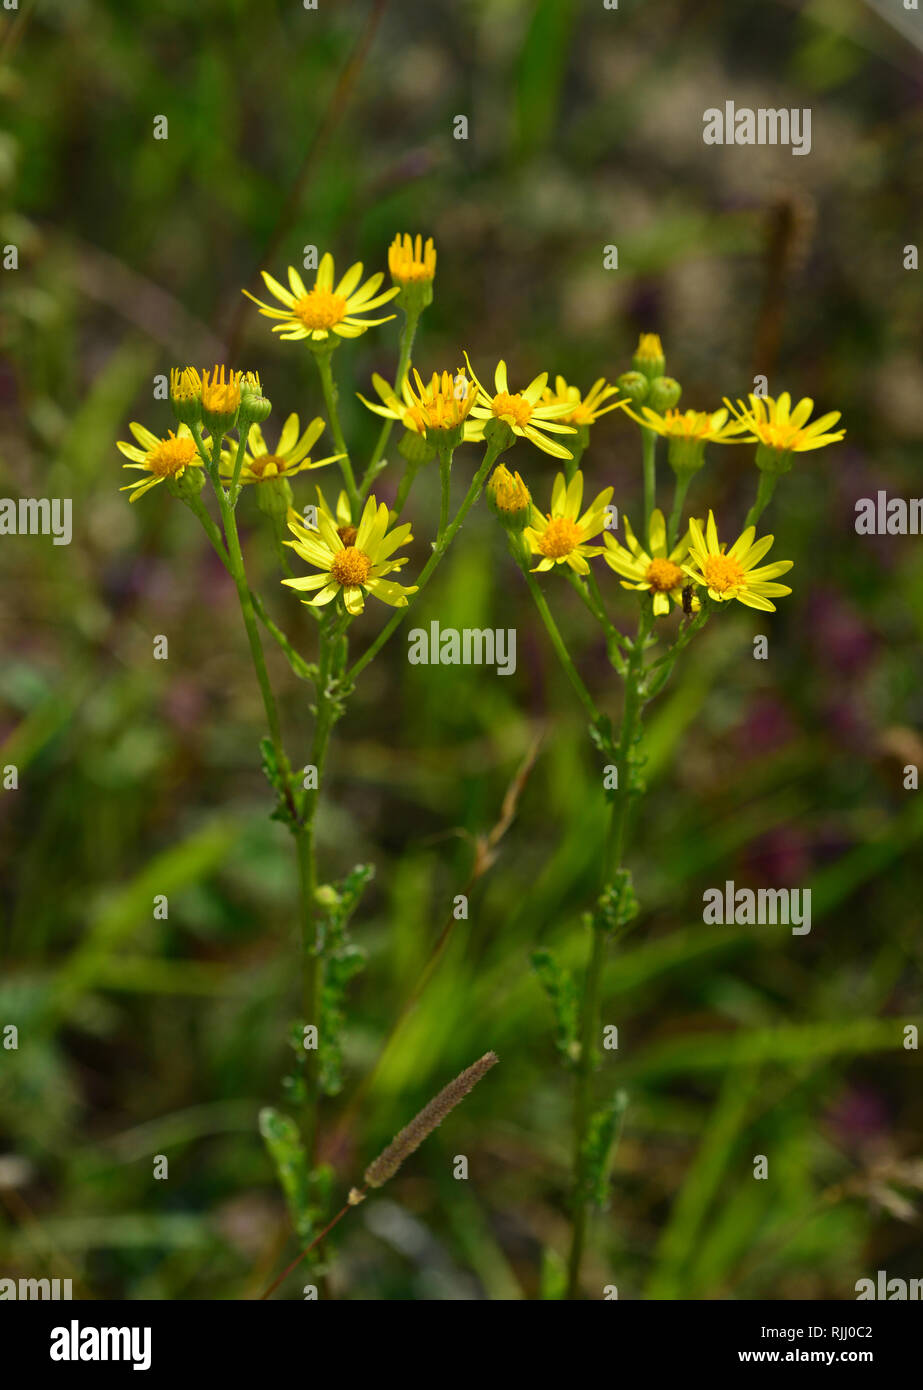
[
  {"x": 557, "y": 641},
  {"x": 649, "y": 464},
  {"x": 445, "y": 475},
  {"x": 325, "y": 369},
  {"x": 592, "y": 995},
  {"x": 404, "y": 486},
  {"x": 408, "y": 333},
  {"x": 593, "y": 599},
  {"x": 439, "y": 549},
  {"x": 767, "y": 487},
  {"x": 679, "y": 497}
]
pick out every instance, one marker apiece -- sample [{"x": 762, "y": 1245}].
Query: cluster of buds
[
  {"x": 647, "y": 383},
  {"x": 219, "y": 399}
]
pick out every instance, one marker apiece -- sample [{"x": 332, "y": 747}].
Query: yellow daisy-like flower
[
  {"x": 325, "y": 309},
  {"x": 354, "y": 569},
  {"x": 656, "y": 569},
  {"x": 289, "y": 457},
  {"x": 733, "y": 573},
  {"x": 522, "y": 411},
  {"x": 409, "y": 261},
  {"x": 561, "y": 536},
  {"x": 221, "y": 391},
  {"x": 692, "y": 426},
  {"x": 584, "y": 410},
  {"x": 775, "y": 424},
  {"x": 443, "y": 405},
  {"x": 158, "y": 459}
]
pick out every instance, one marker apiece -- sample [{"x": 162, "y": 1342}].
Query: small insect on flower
[
  {"x": 561, "y": 536},
  {"x": 440, "y": 407},
  {"x": 289, "y": 457},
  {"x": 522, "y": 411},
  {"x": 584, "y": 410},
  {"x": 733, "y": 573},
  {"x": 158, "y": 459},
  {"x": 325, "y": 308},
  {"x": 352, "y": 569},
  {"x": 655, "y": 569}
]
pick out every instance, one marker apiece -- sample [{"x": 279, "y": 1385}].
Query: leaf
[
  {"x": 599, "y": 1148},
  {"x": 339, "y": 969},
  {"x": 561, "y": 988},
  {"x": 286, "y": 1150}
]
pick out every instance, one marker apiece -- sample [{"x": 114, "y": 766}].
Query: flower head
[
  {"x": 522, "y": 411},
  {"x": 186, "y": 395},
  {"x": 290, "y": 456},
  {"x": 409, "y": 261},
  {"x": 325, "y": 308},
  {"x": 160, "y": 460},
  {"x": 353, "y": 569},
  {"x": 656, "y": 569},
  {"x": 561, "y": 536},
  {"x": 729, "y": 574},
  {"x": 780, "y": 431},
  {"x": 220, "y": 398},
  {"x": 585, "y": 410},
  {"x": 441, "y": 407},
  {"x": 509, "y": 498},
  {"x": 688, "y": 432},
  {"x": 649, "y": 357}
]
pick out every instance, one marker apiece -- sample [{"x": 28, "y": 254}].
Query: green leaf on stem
[
  {"x": 561, "y": 988},
  {"x": 599, "y": 1146}
]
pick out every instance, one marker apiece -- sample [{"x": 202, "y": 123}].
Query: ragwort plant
[{"x": 350, "y": 545}]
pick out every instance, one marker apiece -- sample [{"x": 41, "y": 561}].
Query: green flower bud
[
  {"x": 635, "y": 386},
  {"x": 664, "y": 394},
  {"x": 649, "y": 357},
  {"x": 274, "y": 497},
  {"x": 187, "y": 484},
  {"x": 254, "y": 406},
  {"x": 416, "y": 448}
]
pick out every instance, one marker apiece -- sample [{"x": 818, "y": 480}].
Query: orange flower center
[
  {"x": 722, "y": 573},
  {"x": 268, "y": 466},
  {"x": 171, "y": 456},
  {"x": 663, "y": 576},
  {"x": 560, "y": 537},
  {"x": 348, "y": 534},
  {"x": 350, "y": 566},
  {"x": 515, "y": 408},
  {"x": 320, "y": 309}
]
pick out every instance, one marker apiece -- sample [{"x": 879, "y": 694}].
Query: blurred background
[{"x": 137, "y": 777}]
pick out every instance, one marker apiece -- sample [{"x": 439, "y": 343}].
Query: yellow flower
[
  {"x": 354, "y": 569},
  {"x": 658, "y": 571},
  {"x": 325, "y": 309},
  {"x": 522, "y": 412},
  {"x": 221, "y": 391},
  {"x": 158, "y": 459},
  {"x": 443, "y": 405},
  {"x": 289, "y": 457},
  {"x": 732, "y": 574},
  {"x": 561, "y": 536},
  {"x": 776, "y": 425},
  {"x": 509, "y": 498},
  {"x": 692, "y": 426},
  {"x": 585, "y": 411},
  {"x": 186, "y": 395},
  {"x": 409, "y": 261}
]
